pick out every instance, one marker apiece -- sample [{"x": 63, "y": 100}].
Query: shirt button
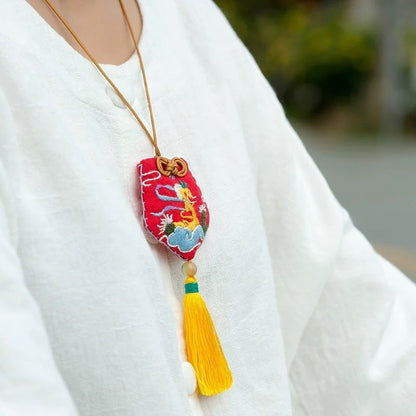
[{"x": 189, "y": 376}]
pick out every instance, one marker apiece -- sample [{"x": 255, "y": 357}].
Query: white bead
[{"x": 189, "y": 268}]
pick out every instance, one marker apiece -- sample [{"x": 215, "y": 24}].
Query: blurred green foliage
[
  {"x": 410, "y": 78},
  {"x": 312, "y": 55}
]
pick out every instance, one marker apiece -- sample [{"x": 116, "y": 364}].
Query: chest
[
  {"x": 78, "y": 193},
  {"x": 109, "y": 41}
]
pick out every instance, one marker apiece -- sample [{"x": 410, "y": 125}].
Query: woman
[{"x": 91, "y": 304}]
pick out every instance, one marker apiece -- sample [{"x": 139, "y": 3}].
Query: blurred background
[{"x": 345, "y": 71}]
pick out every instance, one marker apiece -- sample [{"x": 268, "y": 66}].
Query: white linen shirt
[{"x": 91, "y": 307}]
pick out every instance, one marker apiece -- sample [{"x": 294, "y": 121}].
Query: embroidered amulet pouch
[{"x": 174, "y": 210}]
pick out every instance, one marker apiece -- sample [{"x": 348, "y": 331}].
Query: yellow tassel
[{"x": 203, "y": 347}]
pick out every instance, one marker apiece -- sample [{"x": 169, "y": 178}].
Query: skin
[{"x": 99, "y": 24}]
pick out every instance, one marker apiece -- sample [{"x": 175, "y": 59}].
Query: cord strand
[
  {"x": 152, "y": 138},
  {"x": 143, "y": 72}
]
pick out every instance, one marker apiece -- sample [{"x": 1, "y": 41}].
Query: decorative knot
[{"x": 175, "y": 166}]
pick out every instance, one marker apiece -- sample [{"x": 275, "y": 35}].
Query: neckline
[{"x": 122, "y": 69}]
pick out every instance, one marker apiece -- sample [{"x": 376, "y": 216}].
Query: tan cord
[
  {"x": 142, "y": 71},
  {"x": 175, "y": 166},
  {"x": 153, "y": 139}
]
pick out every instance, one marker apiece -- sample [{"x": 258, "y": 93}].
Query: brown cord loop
[{"x": 175, "y": 166}]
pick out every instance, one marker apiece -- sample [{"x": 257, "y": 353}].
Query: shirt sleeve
[
  {"x": 348, "y": 316},
  {"x": 30, "y": 383}
]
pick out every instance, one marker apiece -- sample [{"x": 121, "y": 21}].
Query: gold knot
[{"x": 175, "y": 166}]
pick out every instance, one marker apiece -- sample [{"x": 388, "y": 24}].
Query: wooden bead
[{"x": 189, "y": 268}]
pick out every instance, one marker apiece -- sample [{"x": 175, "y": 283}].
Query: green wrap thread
[{"x": 191, "y": 287}]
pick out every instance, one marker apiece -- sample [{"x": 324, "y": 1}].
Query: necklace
[{"x": 175, "y": 213}]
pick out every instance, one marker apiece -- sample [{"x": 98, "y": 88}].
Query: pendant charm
[{"x": 174, "y": 211}]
